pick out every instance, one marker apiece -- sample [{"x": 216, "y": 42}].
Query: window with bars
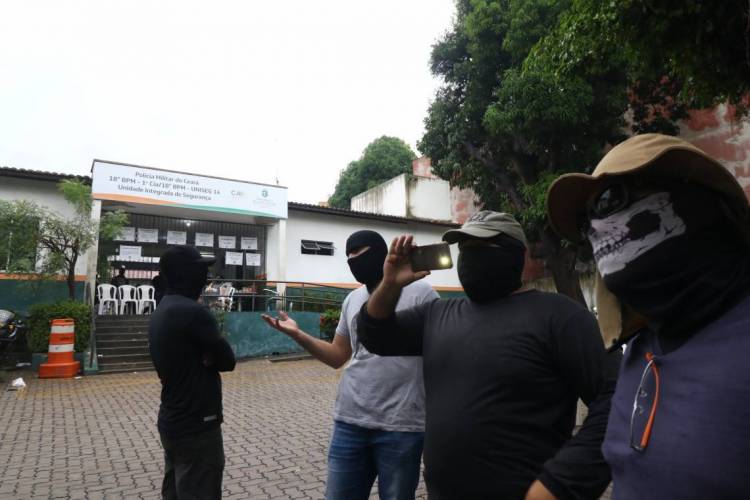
[{"x": 311, "y": 247}]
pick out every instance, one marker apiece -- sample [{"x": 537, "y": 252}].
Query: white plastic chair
[
  {"x": 127, "y": 296},
  {"x": 107, "y": 295},
  {"x": 145, "y": 294},
  {"x": 226, "y": 297}
]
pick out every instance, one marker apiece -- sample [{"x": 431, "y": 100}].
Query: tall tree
[
  {"x": 506, "y": 128},
  {"x": 384, "y": 158},
  {"x": 61, "y": 240},
  {"x": 701, "y": 47},
  {"x": 19, "y": 233}
]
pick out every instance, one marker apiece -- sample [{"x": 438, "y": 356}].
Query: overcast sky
[{"x": 248, "y": 90}]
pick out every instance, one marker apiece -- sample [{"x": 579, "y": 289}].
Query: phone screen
[{"x": 431, "y": 257}]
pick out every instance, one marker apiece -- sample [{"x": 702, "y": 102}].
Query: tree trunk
[
  {"x": 71, "y": 279},
  {"x": 561, "y": 261}
]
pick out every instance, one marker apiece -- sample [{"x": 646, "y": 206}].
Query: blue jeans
[{"x": 358, "y": 454}]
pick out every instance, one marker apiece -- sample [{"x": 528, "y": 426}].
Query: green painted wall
[
  {"x": 18, "y": 295},
  {"x": 250, "y": 337}
]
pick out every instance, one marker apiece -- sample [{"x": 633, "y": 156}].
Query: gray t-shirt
[{"x": 385, "y": 393}]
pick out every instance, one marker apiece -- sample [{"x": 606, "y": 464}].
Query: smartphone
[{"x": 431, "y": 257}]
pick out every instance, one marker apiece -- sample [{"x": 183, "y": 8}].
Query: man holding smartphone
[
  {"x": 503, "y": 371},
  {"x": 379, "y": 414}
]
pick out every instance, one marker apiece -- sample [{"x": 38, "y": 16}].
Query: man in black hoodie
[
  {"x": 188, "y": 352},
  {"x": 503, "y": 371}
]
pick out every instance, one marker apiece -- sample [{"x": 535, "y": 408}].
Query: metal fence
[{"x": 261, "y": 295}]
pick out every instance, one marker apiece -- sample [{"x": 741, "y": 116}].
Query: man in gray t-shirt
[{"x": 379, "y": 415}]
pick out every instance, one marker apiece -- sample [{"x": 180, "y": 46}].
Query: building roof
[
  {"x": 40, "y": 175},
  {"x": 23, "y": 173},
  {"x": 305, "y": 207}
]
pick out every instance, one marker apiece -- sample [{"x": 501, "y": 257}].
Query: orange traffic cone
[{"x": 60, "y": 363}]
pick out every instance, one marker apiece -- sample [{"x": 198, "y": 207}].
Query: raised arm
[
  {"x": 397, "y": 273},
  {"x": 334, "y": 354},
  {"x": 382, "y": 330},
  {"x": 578, "y": 470}
]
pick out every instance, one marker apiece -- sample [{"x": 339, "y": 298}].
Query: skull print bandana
[
  {"x": 628, "y": 234},
  {"x": 673, "y": 257}
]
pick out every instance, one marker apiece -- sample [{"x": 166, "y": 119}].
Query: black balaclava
[
  {"x": 367, "y": 268},
  {"x": 488, "y": 272},
  {"x": 187, "y": 280},
  {"x": 674, "y": 257}
]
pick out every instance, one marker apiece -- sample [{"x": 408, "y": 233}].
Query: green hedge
[{"x": 41, "y": 315}]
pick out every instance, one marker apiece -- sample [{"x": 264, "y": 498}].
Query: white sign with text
[
  {"x": 248, "y": 243},
  {"x": 204, "y": 240},
  {"x": 176, "y": 237},
  {"x": 150, "y": 186},
  {"x": 233, "y": 259}
]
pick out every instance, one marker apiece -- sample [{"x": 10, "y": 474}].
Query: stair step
[
  {"x": 108, "y": 359},
  {"x": 117, "y": 350},
  {"x": 121, "y": 328},
  {"x": 108, "y": 341},
  {"x": 124, "y": 318},
  {"x": 126, "y": 367},
  {"x": 121, "y": 337}
]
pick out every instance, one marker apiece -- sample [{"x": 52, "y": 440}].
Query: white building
[{"x": 250, "y": 228}]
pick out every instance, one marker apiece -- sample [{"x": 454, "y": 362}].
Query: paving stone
[{"x": 96, "y": 438}]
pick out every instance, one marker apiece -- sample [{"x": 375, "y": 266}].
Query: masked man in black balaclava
[
  {"x": 378, "y": 426},
  {"x": 503, "y": 371},
  {"x": 670, "y": 232},
  {"x": 188, "y": 352}
]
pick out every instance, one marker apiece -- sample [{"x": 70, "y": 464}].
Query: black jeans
[{"x": 193, "y": 466}]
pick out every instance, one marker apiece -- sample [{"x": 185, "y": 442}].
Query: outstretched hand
[
  {"x": 283, "y": 323},
  {"x": 397, "y": 268}
]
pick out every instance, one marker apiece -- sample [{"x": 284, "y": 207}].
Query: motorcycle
[{"x": 11, "y": 327}]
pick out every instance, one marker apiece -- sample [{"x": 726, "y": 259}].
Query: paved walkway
[{"x": 95, "y": 437}]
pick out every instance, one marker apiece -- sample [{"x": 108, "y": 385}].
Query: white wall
[
  {"x": 44, "y": 193},
  {"x": 334, "y": 269},
  {"x": 429, "y": 198},
  {"x": 388, "y": 198}
]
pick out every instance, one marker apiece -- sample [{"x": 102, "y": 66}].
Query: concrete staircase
[{"x": 122, "y": 343}]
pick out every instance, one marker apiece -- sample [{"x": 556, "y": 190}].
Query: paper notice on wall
[
  {"x": 148, "y": 235},
  {"x": 233, "y": 259},
  {"x": 130, "y": 252},
  {"x": 204, "y": 240},
  {"x": 126, "y": 234},
  {"x": 248, "y": 243},
  {"x": 227, "y": 241},
  {"x": 176, "y": 237},
  {"x": 252, "y": 259}
]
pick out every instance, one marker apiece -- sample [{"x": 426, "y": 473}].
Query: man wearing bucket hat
[
  {"x": 188, "y": 352},
  {"x": 670, "y": 232},
  {"x": 503, "y": 371}
]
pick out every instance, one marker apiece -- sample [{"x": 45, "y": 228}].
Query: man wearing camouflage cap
[
  {"x": 670, "y": 232},
  {"x": 503, "y": 371}
]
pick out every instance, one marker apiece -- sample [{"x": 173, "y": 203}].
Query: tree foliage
[
  {"x": 702, "y": 47},
  {"x": 19, "y": 228},
  {"x": 56, "y": 242},
  {"x": 535, "y": 88},
  {"x": 506, "y": 128},
  {"x": 382, "y": 159}
]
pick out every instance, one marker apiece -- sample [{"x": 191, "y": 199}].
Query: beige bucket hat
[
  {"x": 654, "y": 155},
  {"x": 657, "y": 155}
]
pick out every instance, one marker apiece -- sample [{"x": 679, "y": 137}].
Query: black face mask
[
  {"x": 674, "y": 258},
  {"x": 367, "y": 267},
  {"x": 488, "y": 273},
  {"x": 188, "y": 281}
]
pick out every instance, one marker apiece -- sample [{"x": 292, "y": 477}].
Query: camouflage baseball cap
[{"x": 487, "y": 224}]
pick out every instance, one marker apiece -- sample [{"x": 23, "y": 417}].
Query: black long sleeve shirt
[
  {"x": 188, "y": 352},
  {"x": 502, "y": 380}
]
